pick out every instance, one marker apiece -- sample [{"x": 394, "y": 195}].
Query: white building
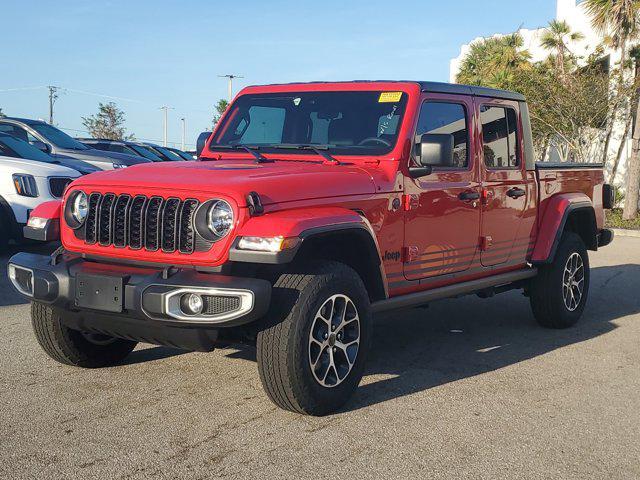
[{"x": 574, "y": 14}]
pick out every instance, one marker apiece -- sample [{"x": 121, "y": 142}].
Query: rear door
[
  {"x": 442, "y": 212},
  {"x": 505, "y": 190}
]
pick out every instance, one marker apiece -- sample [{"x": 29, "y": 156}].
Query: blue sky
[{"x": 154, "y": 53}]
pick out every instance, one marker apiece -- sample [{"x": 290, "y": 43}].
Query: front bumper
[{"x": 139, "y": 303}]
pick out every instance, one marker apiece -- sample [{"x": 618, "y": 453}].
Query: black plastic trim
[
  {"x": 50, "y": 232},
  {"x": 458, "y": 289}
]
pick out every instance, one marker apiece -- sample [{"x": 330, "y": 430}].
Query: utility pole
[
  {"x": 53, "y": 95},
  {"x": 230, "y": 77},
  {"x": 183, "y": 132},
  {"x": 166, "y": 110}
]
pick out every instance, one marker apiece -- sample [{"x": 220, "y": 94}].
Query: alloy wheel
[{"x": 334, "y": 340}]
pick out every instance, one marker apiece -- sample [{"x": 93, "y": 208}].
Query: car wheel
[
  {"x": 72, "y": 347},
  {"x": 311, "y": 355},
  {"x": 559, "y": 292}
]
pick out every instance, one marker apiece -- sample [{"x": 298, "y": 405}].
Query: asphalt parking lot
[{"x": 467, "y": 388}]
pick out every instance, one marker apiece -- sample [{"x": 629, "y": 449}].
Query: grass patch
[{"x": 614, "y": 220}]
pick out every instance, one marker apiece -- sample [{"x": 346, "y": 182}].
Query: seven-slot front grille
[
  {"x": 152, "y": 223},
  {"x": 58, "y": 184}
]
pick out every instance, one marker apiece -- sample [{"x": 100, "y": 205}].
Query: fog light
[{"x": 191, "y": 304}]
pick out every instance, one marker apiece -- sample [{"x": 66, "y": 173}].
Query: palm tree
[
  {"x": 492, "y": 62},
  {"x": 555, "y": 38},
  {"x": 620, "y": 20}
]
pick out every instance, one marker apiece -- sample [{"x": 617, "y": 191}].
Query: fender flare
[
  {"x": 299, "y": 226},
  {"x": 553, "y": 224}
]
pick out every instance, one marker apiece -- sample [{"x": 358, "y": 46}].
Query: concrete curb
[{"x": 621, "y": 232}]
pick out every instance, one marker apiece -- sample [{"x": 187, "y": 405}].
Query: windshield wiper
[
  {"x": 252, "y": 149},
  {"x": 321, "y": 150}
]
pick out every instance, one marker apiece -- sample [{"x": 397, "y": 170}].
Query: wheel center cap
[{"x": 332, "y": 339}]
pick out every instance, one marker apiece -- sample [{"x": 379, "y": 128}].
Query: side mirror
[
  {"x": 434, "y": 150},
  {"x": 201, "y": 142},
  {"x": 43, "y": 147}
]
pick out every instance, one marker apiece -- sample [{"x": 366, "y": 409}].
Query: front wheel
[
  {"x": 72, "y": 347},
  {"x": 311, "y": 356},
  {"x": 559, "y": 291}
]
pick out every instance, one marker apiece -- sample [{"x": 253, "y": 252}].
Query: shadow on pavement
[
  {"x": 152, "y": 353},
  {"x": 454, "y": 339}
]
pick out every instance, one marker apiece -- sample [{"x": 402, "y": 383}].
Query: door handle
[
  {"x": 516, "y": 192},
  {"x": 468, "y": 196}
]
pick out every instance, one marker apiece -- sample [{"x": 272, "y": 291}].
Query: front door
[
  {"x": 442, "y": 213},
  {"x": 505, "y": 191}
]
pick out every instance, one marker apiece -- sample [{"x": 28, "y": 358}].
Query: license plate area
[{"x": 100, "y": 292}]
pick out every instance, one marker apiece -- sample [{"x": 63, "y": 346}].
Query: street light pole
[
  {"x": 166, "y": 110},
  {"x": 230, "y": 77},
  {"x": 183, "y": 132}
]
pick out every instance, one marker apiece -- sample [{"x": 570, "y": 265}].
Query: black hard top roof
[{"x": 440, "y": 87}]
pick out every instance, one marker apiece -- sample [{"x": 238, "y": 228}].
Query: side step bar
[{"x": 465, "y": 288}]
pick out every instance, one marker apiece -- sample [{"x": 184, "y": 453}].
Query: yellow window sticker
[{"x": 389, "y": 97}]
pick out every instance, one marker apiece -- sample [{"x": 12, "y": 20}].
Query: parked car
[
  {"x": 11, "y": 146},
  {"x": 182, "y": 154},
  {"x": 164, "y": 153},
  {"x": 393, "y": 195},
  {"x": 122, "y": 146},
  {"x": 25, "y": 184},
  {"x": 56, "y": 143}
]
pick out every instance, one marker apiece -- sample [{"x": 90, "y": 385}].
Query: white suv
[{"x": 24, "y": 184}]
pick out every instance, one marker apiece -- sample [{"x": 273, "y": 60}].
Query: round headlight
[
  {"x": 220, "y": 218},
  {"x": 79, "y": 207}
]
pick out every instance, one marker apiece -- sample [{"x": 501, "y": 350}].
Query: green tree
[
  {"x": 493, "y": 62},
  {"x": 619, "y": 19},
  {"x": 555, "y": 38},
  {"x": 107, "y": 123},
  {"x": 220, "y": 108}
]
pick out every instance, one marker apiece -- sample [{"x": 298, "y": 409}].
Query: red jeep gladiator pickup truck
[{"x": 314, "y": 206}]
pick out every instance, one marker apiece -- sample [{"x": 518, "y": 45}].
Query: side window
[
  {"x": 265, "y": 125},
  {"x": 447, "y": 118},
  {"x": 499, "y": 136}
]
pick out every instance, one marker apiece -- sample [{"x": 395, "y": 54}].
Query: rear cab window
[{"x": 499, "y": 137}]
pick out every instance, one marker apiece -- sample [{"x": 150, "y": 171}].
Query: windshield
[
  {"x": 13, "y": 147},
  {"x": 348, "y": 123},
  {"x": 145, "y": 153},
  {"x": 57, "y": 137},
  {"x": 169, "y": 154},
  {"x": 182, "y": 154}
]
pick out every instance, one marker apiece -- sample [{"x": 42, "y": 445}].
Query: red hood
[{"x": 281, "y": 181}]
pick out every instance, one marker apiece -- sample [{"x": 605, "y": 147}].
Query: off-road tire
[
  {"x": 283, "y": 345},
  {"x": 546, "y": 292},
  {"x": 71, "y": 347}
]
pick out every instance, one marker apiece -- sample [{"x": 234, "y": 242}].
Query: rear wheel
[
  {"x": 559, "y": 291},
  {"x": 311, "y": 356},
  {"x": 72, "y": 347}
]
